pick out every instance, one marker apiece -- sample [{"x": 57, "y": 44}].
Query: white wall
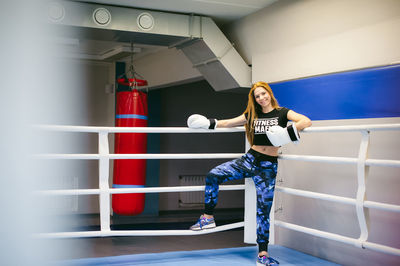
[
  {"x": 80, "y": 98},
  {"x": 294, "y": 39}
]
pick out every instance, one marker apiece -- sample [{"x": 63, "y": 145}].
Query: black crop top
[{"x": 264, "y": 121}]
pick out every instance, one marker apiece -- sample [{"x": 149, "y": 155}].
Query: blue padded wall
[{"x": 367, "y": 93}]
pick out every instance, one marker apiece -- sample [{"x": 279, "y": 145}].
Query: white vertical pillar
[
  {"x": 272, "y": 224},
  {"x": 104, "y": 197},
  {"x": 362, "y": 172},
  {"x": 250, "y": 208},
  {"x": 272, "y": 218}
]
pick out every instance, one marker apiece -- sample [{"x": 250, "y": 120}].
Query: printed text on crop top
[{"x": 264, "y": 121}]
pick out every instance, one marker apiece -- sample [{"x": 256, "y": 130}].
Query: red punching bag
[{"x": 131, "y": 112}]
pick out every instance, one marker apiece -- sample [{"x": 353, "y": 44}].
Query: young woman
[{"x": 266, "y": 130}]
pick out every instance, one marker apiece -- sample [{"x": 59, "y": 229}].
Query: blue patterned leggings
[{"x": 262, "y": 169}]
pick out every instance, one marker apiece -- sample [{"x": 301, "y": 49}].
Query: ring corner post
[
  {"x": 250, "y": 205},
  {"x": 104, "y": 197},
  {"x": 250, "y": 202}
]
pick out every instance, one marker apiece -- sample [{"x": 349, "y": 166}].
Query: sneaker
[
  {"x": 203, "y": 223},
  {"x": 266, "y": 261}
]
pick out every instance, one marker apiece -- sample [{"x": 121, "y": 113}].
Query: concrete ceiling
[{"x": 221, "y": 11}]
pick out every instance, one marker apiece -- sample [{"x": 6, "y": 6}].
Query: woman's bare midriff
[{"x": 268, "y": 150}]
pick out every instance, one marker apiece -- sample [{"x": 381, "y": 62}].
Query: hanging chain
[
  {"x": 136, "y": 77},
  {"x": 132, "y": 70}
]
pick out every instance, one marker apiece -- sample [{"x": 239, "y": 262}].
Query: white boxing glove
[
  {"x": 200, "y": 121},
  {"x": 279, "y": 136}
]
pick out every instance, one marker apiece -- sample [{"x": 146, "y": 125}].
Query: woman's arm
[
  {"x": 301, "y": 121},
  {"x": 233, "y": 122}
]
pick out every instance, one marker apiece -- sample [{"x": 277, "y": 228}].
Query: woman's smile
[{"x": 262, "y": 97}]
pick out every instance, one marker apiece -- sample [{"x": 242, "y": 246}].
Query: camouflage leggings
[{"x": 262, "y": 169}]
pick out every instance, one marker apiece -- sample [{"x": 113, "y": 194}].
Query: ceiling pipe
[{"x": 199, "y": 38}]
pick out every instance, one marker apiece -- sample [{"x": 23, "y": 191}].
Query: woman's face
[{"x": 262, "y": 97}]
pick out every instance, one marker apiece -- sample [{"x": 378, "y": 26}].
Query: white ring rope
[
  {"x": 73, "y": 192},
  {"x": 105, "y": 191},
  {"x": 142, "y": 232},
  {"x": 142, "y": 156},
  {"x": 89, "y": 129}
]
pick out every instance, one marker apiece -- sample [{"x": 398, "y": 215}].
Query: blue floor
[{"x": 217, "y": 257}]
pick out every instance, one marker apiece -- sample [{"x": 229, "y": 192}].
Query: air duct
[
  {"x": 216, "y": 58},
  {"x": 199, "y": 38}
]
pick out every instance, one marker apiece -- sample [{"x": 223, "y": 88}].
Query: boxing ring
[{"x": 104, "y": 191}]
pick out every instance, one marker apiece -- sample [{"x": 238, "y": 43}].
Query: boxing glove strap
[
  {"x": 292, "y": 134},
  {"x": 213, "y": 123}
]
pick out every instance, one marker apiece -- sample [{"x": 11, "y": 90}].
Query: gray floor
[
  {"x": 115, "y": 246},
  {"x": 216, "y": 249}
]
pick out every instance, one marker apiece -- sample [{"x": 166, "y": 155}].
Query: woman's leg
[
  {"x": 265, "y": 186},
  {"x": 232, "y": 170},
  {"x": 235, "y": 169}
]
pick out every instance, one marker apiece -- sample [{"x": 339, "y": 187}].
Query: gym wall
[
  {"x": 337, "y": 62},
  {"x": 293, "y": 39},
  {"x": 80, "y": 99},
  {"x": 177, "y": 104}
]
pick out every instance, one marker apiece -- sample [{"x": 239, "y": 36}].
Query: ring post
[
  {"x": 104, "y": 197},
  {"x": 362, "y": 172},
  {"x": 250, "y": 208}
]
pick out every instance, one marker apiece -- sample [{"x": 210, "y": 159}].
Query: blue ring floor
[{"x": 212, "y": 257}]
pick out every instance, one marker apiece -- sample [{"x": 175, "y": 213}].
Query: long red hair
[{"x": 253, "y": 107}]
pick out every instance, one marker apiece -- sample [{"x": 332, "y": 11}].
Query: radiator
[{"x": 195, "y": 198}]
